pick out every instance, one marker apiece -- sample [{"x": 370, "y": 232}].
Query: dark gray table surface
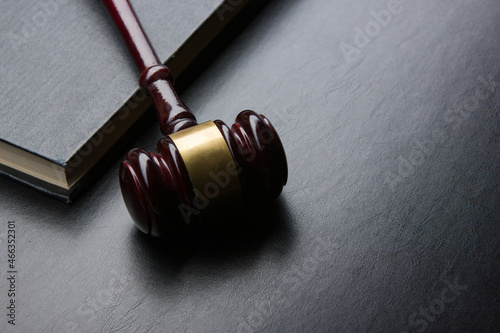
[{"x": 389, "y": 221}]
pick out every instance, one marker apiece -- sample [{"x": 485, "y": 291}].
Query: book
[{"x": 69, "y": 88}]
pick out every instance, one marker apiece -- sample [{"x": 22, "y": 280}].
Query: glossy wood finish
[
  {"x": 156, "y": 78},
  {"x": 258, "y": 150},
  {"x": 343, "y": 249},
  {"x": 159, "y": 194},
  {"x": 156, "y": 187},
  {"x": 153, "y": 186}
]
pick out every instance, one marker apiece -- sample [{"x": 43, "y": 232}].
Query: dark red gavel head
[{"x": 202, "y": 170}]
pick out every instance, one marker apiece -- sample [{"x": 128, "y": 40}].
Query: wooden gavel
[{"x": 199, "y": 169}]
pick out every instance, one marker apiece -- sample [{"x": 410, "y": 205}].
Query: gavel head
[{"x": 201, "y": 170}]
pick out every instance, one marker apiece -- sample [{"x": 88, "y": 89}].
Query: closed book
[{"x": 69, "y": 89}]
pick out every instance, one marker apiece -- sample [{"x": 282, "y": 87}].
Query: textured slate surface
[
  {"x": 65, "y": 70},
  {"x": 390, "y": 219}
]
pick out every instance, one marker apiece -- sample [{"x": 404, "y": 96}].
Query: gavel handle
[{"x": 156, "y": 78}]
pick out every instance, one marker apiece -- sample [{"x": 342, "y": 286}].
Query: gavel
[{"x": 199, "y": 170}]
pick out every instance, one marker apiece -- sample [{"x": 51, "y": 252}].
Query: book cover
[{"x": 69, "y": 90}]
